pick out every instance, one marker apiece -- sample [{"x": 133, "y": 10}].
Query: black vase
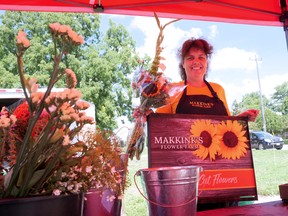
[{"x": 63, "y": 205}]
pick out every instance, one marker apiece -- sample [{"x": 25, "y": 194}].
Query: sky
[{"x": 238, "y": 49}]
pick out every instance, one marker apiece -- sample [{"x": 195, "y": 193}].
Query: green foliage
[
  {"x": 8, "y": 79},
  {"x": 279, "y": 100},
  {"x": 236, "y": 109},
  {"x": 102, "y": 65},
  {"x": 275, "y": 122},
  {"x": 133, "y": 200},
  {"x": 252, "y": 101},
  {"x": 108, "y": 69}
]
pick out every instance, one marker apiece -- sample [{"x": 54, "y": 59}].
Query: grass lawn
[
  {"x": 270, "y": 170},
  {"x": 134, "y": 203}
]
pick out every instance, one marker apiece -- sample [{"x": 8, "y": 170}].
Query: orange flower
[
  {"x": 150, "y": 90},
  {"x": 154, "y": 88},
  {"x": 54, "y": 26},
  {"x": 75, "y": 38},
  {"x": 64, "y": 29},
  {"x": 233, "y": 140},
  {"x": 71, "y": 79},
  {"x": 57, "y": 28},
  {"x": 210, "y": 146},
  {"x": 22, "y": 40}
]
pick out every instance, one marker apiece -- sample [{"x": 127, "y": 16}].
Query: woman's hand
[{"x": 250, "y": 114}]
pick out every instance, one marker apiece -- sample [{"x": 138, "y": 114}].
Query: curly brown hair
[{"x": 193, "y": 43}]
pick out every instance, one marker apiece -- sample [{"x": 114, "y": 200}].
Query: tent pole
[
  {"x": 286, "y": 35},
  {"x": 284, "y": 18}
]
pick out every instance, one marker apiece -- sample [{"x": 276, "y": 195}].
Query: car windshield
[{"x": 264, "y": 135}]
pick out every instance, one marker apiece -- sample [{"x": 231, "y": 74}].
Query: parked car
[{"x": 264, "y": 140}]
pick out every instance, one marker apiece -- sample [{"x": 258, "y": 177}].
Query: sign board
[{"x": 219, "y": 144}]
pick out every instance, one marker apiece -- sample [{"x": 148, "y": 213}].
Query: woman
[{"x": 199, "y": 96}]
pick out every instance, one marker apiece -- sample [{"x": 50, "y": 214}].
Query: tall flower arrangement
[
  {"x": 153, "y": 90},
  {"x": 43, "y": 149}
]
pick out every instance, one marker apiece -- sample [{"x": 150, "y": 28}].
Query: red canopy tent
[{"x": 264, "y": 12}]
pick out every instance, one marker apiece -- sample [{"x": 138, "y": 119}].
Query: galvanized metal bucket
[{"x": 170, "y": 191}]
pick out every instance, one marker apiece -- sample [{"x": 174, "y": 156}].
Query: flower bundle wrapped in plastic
[{"x": 153, "y": 90}]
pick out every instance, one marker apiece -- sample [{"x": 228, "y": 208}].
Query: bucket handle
[{"x": 158, "y": 204}]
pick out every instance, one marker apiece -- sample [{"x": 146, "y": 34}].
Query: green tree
[
  {"x": 236, "y": 109},
  {"x": 102, "y": 65},
  {"x": 108, "y": 71},
  {"x": 279, "y": 100},
  {"x": 274, "y": 121},
  {"x": 38, "y": 59},
  {"x": 279, "y": 104}
]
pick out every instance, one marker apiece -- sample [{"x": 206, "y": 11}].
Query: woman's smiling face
[{"x": 195, "y": 64}]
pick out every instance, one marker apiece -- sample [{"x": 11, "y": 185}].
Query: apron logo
[{"x": 201, "y": 104}]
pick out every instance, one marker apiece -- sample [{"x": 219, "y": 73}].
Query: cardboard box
[{"x": 219, "y": 144}]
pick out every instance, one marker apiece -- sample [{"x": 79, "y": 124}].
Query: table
[{"x": 274, "y": 208}]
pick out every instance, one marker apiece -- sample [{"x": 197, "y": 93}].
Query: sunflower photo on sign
[
  {"x": 226, "y": 139},
  {"x": 209, "y": 147},
  {"x": 233, "y": 142}
]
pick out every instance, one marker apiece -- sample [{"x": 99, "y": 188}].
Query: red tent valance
[{"x": 261, "y": 12}]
